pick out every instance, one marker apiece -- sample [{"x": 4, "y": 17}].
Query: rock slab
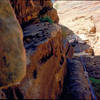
[
  {"x": 12, "y": 53},
  {"x": 46, "y": 63}
]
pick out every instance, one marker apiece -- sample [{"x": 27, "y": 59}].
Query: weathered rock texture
[
  {"x": 83, "y": 18},
  {"x": 12, "y": 53},
  {"x": 76, "y": 84},
  {"x": 46, "y": 63},
  {"x": 45, "y": 50},
  {"x": 32, "y": 10}
]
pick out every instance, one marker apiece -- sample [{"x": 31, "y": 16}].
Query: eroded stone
[
  {"x": 12, "y": 53},
  {"x": 46, "y": 64}
]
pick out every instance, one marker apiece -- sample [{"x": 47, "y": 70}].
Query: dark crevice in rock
[
  {"x": 19, "y": 94},
  {"x": 41, "y": 2},
  {"x": 44, "y": 10},
  {"x": 9, "y": 93},
  {"x": 1, "y": 84},
  {"x": 24, "y": 24},
  {"x": 73, "y": 44},
  {"x": 60, "y": 84},
  {"x": 5, "y": 61},
  {"x": 26, "y": 3},
  {"x": 62, "y": 60},
  {"x": 35, "y": 74},
  {"x": 67, "y": 50},
  {"x": 45, "y": 58},
  {"x": 2, "y": 95},
  {"x": 64, "y": 92}
]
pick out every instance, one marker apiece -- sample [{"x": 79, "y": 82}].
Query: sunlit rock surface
[
  {"x": 83, "y": 18},
  {"x": 12, "y": 53}
]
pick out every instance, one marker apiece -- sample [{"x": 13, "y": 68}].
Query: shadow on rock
[{"x": 76, "y": 85}]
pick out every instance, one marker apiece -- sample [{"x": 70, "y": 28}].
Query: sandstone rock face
[
  {"x": 12, "y": 53},
  {"x": 46, "y": 63},
  {"x": 30, "y": 11}
]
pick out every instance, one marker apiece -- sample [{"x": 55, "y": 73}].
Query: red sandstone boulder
[{"x": 12, "y": 53}]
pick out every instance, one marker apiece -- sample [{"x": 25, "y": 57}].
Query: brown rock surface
[
  {"x": 29, "y": 11},
  {"x": 46, "y": 63},
  {"x": 12, "y": 53}
]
